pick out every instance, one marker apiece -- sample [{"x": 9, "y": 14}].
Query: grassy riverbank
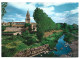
[
  {"x": 52, "y": 39},
  {"x": 72, "y": 39},
  {"x": 13, "y": 44}
]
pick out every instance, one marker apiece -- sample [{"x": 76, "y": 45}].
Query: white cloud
[
  {"x": 19, "y": 16},
  {"x": 57, "y": 17},
  {"x": 32, "y": 19},
  {"x": 74, "y": 11},
  {"x": 55, "y": 3},
  {"x": 23, "y": 6},
  {"x": 48, "y": 10},
  {"x": 8, "y": 19},
  {"x": 66, "y": 17}
]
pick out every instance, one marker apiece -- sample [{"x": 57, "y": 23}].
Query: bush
[
  {"x": 68, "y": 38},
  {"x": 27, "y": 25},
  {"x": 52, "y": 39},
  {"x": 3, "y": 28},
  {"x": 31, "y": 41},
  {"x": 25, "y": 34},
  {"x": 8, "y": 52}
]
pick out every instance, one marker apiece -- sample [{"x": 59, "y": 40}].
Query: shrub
[
  {"x": 8, "y": 52},
  {"x": 25, "y": 34},
  {"x": 27, "y": 25},
  {"x": 31, "y": 41},
  {"x": 3, "y": 28}
]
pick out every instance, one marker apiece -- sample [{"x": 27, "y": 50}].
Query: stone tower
[{"x": 27, "y": 17}]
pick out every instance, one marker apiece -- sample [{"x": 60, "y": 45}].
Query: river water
[{"x": 62, "y": 48}]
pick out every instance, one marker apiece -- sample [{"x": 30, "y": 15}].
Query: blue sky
[{"x": 60, "y": 12}]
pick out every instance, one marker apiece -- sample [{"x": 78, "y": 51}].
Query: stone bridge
[{"x": 33, "y": 51}]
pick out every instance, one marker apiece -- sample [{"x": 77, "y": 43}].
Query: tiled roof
[
  {"x": 19, "y": 22},
  {"x": 16, "y": 22}
]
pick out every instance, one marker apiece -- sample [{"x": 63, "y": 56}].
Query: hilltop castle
[{"x": 18, "y": 25}]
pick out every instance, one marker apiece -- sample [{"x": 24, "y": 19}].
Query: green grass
[
  {"x": 35, "y": 45},
  {"x": 8, "y": 52},
  {"x": 6, "y": 37},
  {"x": 21, "y": 46},
  {"x": 8, "y": 32},
  {"x": 16, "y": 43},
  {"x": 13, "y": 44},
  {"x": 52, "y": 39}
]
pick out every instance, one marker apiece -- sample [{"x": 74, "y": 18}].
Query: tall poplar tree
[{"x": 44, "y": 23}]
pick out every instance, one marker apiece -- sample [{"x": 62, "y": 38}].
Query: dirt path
[{"x": 46, "y": 34}]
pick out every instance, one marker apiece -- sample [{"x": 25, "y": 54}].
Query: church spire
[
  {"x": 28, "y": 13},
  {"x": 27, "y": 17}
]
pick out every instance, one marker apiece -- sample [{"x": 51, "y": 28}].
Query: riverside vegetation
[{"x": 13, "y": 44}]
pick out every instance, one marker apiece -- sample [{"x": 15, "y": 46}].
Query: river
[{"x": 62, "y": 49}]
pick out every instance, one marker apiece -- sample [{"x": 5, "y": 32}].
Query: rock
[
  {"x": 61, "y": 48},
  {"x": 41, "y": 55}
]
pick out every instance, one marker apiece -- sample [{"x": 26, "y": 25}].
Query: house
[{"x": 19, "y": 26}]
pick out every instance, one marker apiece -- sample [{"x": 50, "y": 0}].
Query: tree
[
  {"x": 31, "y": 41},
  {"x": 43, "y": 20},
  {"x": 44, "y": 23},
  {"x": 75, "y": 26},
  {"x": 70, "y": 28},
  {"x": 25, "y": 34},
  {"x": 58, "y": 26},
  {"x": 3, "y": 28},
  {"x": 40, "y": 34},
  {"x": 3, "y": 6},
  {"x": 27, "y": 25}
]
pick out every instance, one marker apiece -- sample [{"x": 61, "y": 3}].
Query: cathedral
[{"x": 21, "y": 24}]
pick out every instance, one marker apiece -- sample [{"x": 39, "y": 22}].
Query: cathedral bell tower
[{"x": 27, "y": 20}]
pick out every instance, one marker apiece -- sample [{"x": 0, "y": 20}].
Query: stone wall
[
  {"x": 33, "y": 51},
  {"x": 11, "y": 33},
  {"x": 13, "y": 29}
]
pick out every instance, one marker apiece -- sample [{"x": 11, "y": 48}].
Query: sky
[{"x": 60, "y": 12}]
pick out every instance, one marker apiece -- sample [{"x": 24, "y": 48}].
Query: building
[{"x": 21, "y": 25}]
